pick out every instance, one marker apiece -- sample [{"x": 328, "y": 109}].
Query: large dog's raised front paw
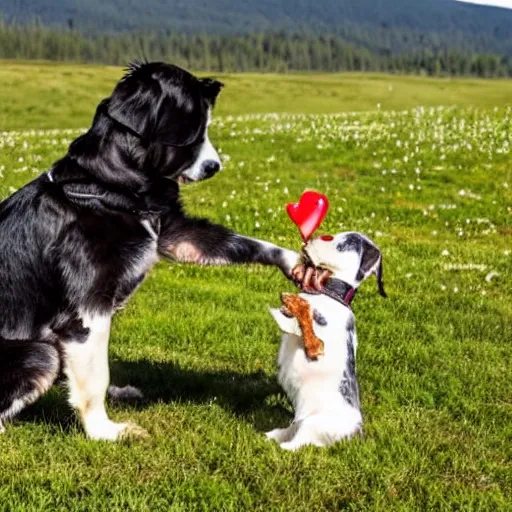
[{"x": 288, "y": 261}]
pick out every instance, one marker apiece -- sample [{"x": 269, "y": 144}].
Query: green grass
[
  {"x": 433, "y": 187},
  {"x": 49, "y": 95}
]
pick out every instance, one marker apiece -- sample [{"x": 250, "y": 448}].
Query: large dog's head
[{"x": 169, "y": 110}]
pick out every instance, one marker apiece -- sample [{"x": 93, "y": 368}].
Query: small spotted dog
[{"x": 323, "y": 387}]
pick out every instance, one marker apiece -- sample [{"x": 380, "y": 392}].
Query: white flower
[
  {"x": 455, "y": 290},
  {"x": 224, "y": 204},
  {"x": 445, "y": 253},
  {"x": 489, "y": 277},
  {"x": 256, "y": 224}
]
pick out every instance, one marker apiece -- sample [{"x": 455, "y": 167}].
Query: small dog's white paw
[
  {"x": 274, "y": 435},
  {"x": 291, "y": 446},
  {"x": 2, "y": 428},
  {"x": 280, "y": 435}
]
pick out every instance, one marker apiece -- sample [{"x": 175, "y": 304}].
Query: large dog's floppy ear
[
  {"x": 157, "y": 109},
  {"x": 180, "y": 118},
  {"x": 289, "y": 325},
  {"x": 371, "y": 263},
  {"x": 134, "y": 103}
]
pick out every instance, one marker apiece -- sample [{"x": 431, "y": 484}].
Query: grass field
[
  {"x": 431, "y": 185},
  {"x": 42, "y": 95}
]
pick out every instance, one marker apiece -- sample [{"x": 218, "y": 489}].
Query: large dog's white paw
[
  {"x": 290, "y": 259},
  {"x": 108, "y": 430}
]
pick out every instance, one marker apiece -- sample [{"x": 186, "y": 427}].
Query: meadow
[{"x": 423, "y": 167}]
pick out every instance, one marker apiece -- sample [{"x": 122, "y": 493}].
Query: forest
[{"x": 270, "y": 51}]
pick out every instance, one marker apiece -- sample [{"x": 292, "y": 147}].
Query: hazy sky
[{"x": 500, "y": 3}]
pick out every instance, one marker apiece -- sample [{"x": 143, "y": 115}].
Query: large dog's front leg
[
  {"x": 200, "y": 241},
  {"x": 86, "y": 367}
]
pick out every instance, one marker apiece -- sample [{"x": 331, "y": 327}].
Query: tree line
[{"x": 263, "y": 52}]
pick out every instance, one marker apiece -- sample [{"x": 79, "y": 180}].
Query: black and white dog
[
  {"x": 76, "y": 241},
  {"x": 325, "y": 392}
]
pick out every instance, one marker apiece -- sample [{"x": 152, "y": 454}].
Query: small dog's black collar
[{"x": 338, "y": 290}]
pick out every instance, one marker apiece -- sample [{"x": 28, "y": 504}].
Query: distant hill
[{"x": 380, "y": 25}]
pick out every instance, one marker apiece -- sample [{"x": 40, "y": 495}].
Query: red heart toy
[{"x": 308, "y": 213}]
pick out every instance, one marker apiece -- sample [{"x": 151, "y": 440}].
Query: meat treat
[{"x": 296, "y": 306}]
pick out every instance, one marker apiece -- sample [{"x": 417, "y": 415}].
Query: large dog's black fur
[{"x": 74, "y": 240}]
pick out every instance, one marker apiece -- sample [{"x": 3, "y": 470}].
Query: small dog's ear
[
  {"x": 211, "y": 89},
  {"x": 380, "y": 278},
  {"x": 371, "y": 263},
  {"x": 289, "y": 325}
]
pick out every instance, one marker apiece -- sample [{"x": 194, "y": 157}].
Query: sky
[{"x": 499, "y": 3}]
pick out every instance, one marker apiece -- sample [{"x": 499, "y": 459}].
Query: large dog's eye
[{"x": 340, "y": 247}]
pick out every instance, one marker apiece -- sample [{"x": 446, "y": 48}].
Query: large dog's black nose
[{"x": 210, "y": 167}]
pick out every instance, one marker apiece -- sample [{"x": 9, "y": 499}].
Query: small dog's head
[
  {"x": 350, "y": 256},
  {"x": 169, "y": 109}
]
